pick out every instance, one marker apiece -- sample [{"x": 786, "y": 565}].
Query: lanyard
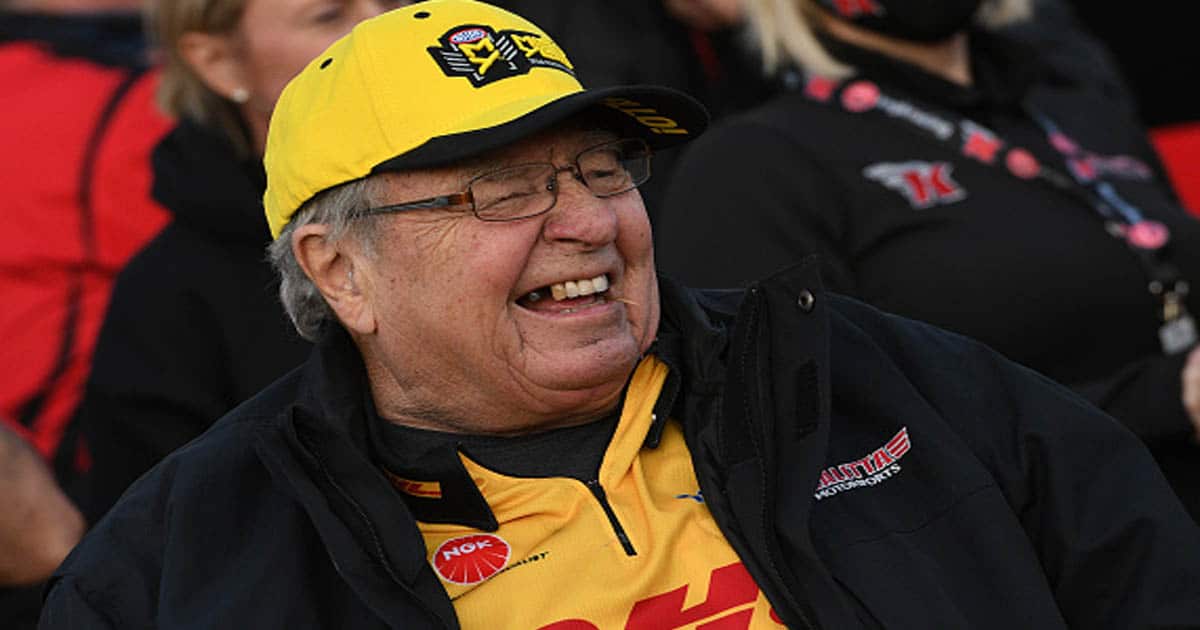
[{"x": 1123, "y": 220}]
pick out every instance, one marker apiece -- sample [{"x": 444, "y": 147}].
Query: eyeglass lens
[{"x": 530, "y": 189}]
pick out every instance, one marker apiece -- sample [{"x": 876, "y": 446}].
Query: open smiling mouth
[{"x": 567, "y": 297}]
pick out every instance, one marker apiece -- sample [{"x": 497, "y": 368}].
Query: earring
[{"x": 240, "y": 95}]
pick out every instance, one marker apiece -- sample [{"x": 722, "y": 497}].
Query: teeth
[{"x": 578, "y": 288}]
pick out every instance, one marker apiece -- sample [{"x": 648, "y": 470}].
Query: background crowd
[{"x": 138, "y": 306}]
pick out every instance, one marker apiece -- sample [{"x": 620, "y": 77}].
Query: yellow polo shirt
[{"x": 558, "y": 560}]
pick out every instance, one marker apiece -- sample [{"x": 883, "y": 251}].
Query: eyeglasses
[{"x": 527, "y": 190}]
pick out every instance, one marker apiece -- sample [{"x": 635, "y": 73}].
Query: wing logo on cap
[{"x": 485, "y": 56}]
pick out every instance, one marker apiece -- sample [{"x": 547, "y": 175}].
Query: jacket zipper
[
  {"x": 750, "y": 357},
  {"x": 602, "y": 497}
]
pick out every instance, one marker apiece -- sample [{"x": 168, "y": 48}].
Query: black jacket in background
[
  {"x": 195, "y": 325},
  {"x": 1018, "y": 505},
  {"x": 1016, "y": 264}
]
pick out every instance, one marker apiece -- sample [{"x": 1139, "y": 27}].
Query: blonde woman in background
[
  {"x": 194, "y": 326},
  {"x": 945, "y": 172}
]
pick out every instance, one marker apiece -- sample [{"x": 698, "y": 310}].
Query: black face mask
[{"x": 915, "y": 20}]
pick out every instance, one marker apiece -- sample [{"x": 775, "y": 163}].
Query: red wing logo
[
  {"x": 923, "y": 184},
  {"x": 483, "y": 55},
  {"x": 878, "y": 466},
  {"x": 471, "y": 559}
]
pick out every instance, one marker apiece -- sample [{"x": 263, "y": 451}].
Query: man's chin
[{"x": 596, "y": 366}]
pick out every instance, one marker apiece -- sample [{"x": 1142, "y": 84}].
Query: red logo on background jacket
[{"x": 923, "y": 184}]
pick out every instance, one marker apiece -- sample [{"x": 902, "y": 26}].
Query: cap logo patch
[{"x": 484, "y": 56}]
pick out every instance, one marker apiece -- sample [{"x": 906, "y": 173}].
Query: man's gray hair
[{"x": 339, "y": 208}]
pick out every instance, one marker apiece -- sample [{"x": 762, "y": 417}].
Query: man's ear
[
  {"x": 213, "y": 57},
  {"x": 332, "y": 268}
]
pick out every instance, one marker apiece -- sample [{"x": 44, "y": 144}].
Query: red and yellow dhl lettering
[
  {"x": 422, "y": 489},
  {"x": 482, "y": 54},
  {"x": 729, "y": 605},
  {"x": 646, "y": 116}
]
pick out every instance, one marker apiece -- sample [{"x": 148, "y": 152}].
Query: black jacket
[
  {"x": 1018, "y": 505},
  {"x": 195, "y": 325},
  {"x": 1019, "y": 265}
]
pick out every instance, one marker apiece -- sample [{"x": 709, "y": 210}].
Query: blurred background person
[
  {"x": 951, "y": 174},
  {"x": 195, "y": 326},
  {"x": 78, "y": 127}
]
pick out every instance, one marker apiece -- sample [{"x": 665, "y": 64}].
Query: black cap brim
[{"x": 661, "y": 116}]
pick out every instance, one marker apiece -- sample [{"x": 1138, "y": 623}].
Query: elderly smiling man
[{"x": 510, "y": 422}]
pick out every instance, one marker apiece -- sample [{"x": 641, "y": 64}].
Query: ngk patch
[
  {"x": 923, "y": 184},
  {"x": 485, "y": 56},
  {"x": 471, "y": 559}
]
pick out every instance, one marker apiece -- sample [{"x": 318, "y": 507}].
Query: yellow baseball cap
[{"x": 433, "y": 83}]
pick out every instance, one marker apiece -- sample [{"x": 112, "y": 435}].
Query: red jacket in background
[{"x": 77, "y": 132}]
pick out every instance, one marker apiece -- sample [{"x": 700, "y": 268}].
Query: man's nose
[{"x": 578, "y": 214}]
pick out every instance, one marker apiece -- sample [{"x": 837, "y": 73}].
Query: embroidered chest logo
[
  {"x": 878, "y": 466},
  {"x": 923, "y": 184},
  {"x": 484, "y": 56},
  {"x": 471, "y": 559}
]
